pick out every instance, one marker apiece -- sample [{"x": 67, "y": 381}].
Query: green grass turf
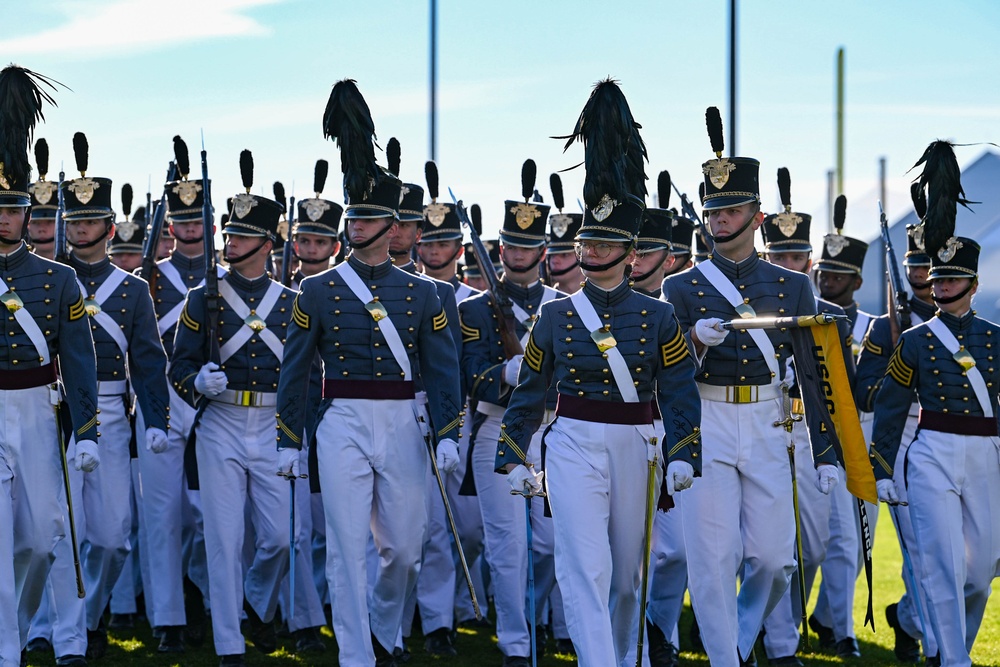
[{"x": 478, "y": 646}]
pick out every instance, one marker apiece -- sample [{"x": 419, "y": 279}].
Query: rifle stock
[
  {"x": 688, "y": 209},
  {"x": 286, "y": 250},
  {"x": 60, "y": 232},
  {"x": 155, "y": 230},
  {"x": 211, "y": 268},
  {"x": 898, "y": 300}
]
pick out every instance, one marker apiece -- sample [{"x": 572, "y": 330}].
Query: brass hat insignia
[
  {"x": 560, "y": 224},
  {"x": 718, "y": 171},
  {"x": 434, "y": 213},
  {"x": 43, "y": 191},
  {"x": 83, "y": 189},
  {"x": 946, "y": 253},
  {"x": 187, "y": 191},
  {"x": 242, "y": 203},
  {"x": 604, "y": 208},
  {"x": 403, "y": 191},
  {"x": 315, "y": 208},
  {"x": 788, "y": 222},
  {"x": 835, "y": 244},
  {"x": 525, "y": 214},
  {"x": 126, "y": 230}
]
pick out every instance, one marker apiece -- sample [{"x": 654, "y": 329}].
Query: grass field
[{"x": 478, "y": 647}]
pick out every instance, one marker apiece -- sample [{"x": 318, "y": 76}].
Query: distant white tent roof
[{"x": 981, "y": 182}]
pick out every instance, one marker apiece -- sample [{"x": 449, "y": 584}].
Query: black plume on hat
[
  {"x": 919, "y": 200},
  {"x": 348, "y": 120},
  {"x": 555, "y": 184},
  {"x": 942, "y": 181},
  {"x": 126, "y": 200},
  {"x": 42, "y": 157},
  {"x": 22, "y": 93},
  {"x": 785, "y": 188},
  {"x": 392, "y": 155},
  {"x": 246, "y": 169},
  {"x": 614, "y": 151},
  {"x": 528, "y": 174},
  {"x": 319, "y": 176},
  {"x": 431, "y": 174},
  {"x": 182, "y": 157},
  {"x": 81, "y": 151},
  {"x": 477, "y": 218},
  {"x": 839, "y": 213},
  {"x": 713, "y": 119},
  {"x": 279, "y": 194},
  {"x": 663, "y": 190}
]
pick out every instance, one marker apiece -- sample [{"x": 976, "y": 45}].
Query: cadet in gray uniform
[
  {"x": 46, "y": 323},
  {"x": 739, "y": 518},
  {"x": 562, "y": 267},
  {"x": 609, "y": 352},
  {"x": 44, "y": 203},
  {"x": 234, "y": 387},
  {"x": 376, "y": 329}
]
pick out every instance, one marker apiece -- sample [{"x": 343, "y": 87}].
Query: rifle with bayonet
[
  {"x": 898, "y": 301},
  {"x": 211, "y": 269},
  {"x": 502, "y": 306},
  {"x": 688, "y": 209},
  {"x": 286, "y": 251},
  {"x": 154, "y": 230},
  {"x": 59, "y": 250}
]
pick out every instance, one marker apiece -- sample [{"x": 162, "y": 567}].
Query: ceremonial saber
[
  {"x": 793, "y": 322},
  {"x": 80, "y": 591},
  {"x": 533, "y": 624},
  {"x": 647, "y": 549},
  {"x": 908, "y": 566},
  {"x": 787, "y": 423},
  {"x": 291, "y": 539}
]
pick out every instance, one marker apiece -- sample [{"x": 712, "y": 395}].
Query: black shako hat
[
  {"x": 786, "y": 231},
  {"x": 729, "y": 181}
]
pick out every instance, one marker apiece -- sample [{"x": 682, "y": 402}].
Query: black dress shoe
[
  {"x": 565, "y": 646},
  {"x": 827, "y": 641},
  {"x": 71, "y": 661},
  {"x": 661, "y": 652},
  {"x": 383, "y": 657},
  {"x": 933, "y": 660},
  {"x": 439, "y": 643},
  {"x": 233, "y": 660},
  {"x": 787, "y": 661},
  {"x": 541, "y": 639},
  {"x": 38, "y": 644},
  {"x": 121, "y": 621},
  {"x": 97, "y": 642},
  {"x": 308, "y": 640},
  {"x": 261, "y": 633},
  {"x": 848, "y": 648},
  {"x": 516, "y": 661},
  {"x": 906, "y": 648},
  {"x": 172, "y": 639}
]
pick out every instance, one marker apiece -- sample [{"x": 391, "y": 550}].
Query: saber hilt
[{"x": 793, "y": 322}]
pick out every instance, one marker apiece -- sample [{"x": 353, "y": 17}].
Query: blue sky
[{"x": 257, "y": 73}]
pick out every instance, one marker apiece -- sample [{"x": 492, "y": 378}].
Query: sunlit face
[
  {"x": 519, "y": 259},
  {"x": 793, "y": 261}
]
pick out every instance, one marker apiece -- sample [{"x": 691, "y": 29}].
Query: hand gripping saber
[
  {"x": 647, "y": 549},
  {"x": 291, "y": 538},
  {"x": 425, "y": 427},
  {"x": 787, "y": 423}
]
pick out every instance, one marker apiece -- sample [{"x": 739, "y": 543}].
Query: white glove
[
  {"x": 887, "y": 492},
  {"x": 708, "y": 331},
  {"x": 447, "y": 456},
  {"x": 288, "y": 462},
  {"x": 87, "y": 459},
  {"x": 210, "y": 380},
  {"x": 511, "y": 368},
  {"x": 156, "y": 440},
  {"x": 525, "y": 482},
  {"x": 680, "y": 475},
  {"x": 827, "y": 477}
]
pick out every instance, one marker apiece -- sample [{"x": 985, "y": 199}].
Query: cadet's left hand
[
  {"x": 680, "y": 476},
  {"x": 887, "y": 492},
  {"x": 447, "y": 455},
  {"x": 156, "y": 440},
  {"x": 288, "y": 462},
  {"x": 511, "y": 368},
  {"x": 87, "y": 459},
  {"x": 826, "y": 478},
  {"x": 524, "y": 481}
]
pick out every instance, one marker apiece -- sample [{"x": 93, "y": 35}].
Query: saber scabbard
[
  {"x": 646, "y": 550},
  {"x": 788, "y": 423}
]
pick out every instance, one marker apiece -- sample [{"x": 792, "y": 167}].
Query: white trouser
[
  {"x": 469, "y": 524},
  {"x": 162, "y": 490},
  {"x": 954, "y": 496},
  {"x": 237, "y": 462},
  {"x": 782, "y": 626},
  {"x": 596, "y": 478},
  {"x": 843, "y": 562},
  {"x": 738, "y": 519},
  {"x": 129, "y": 584},
  {"x": 32, "y": 500},
  {"x": 103, "y": 518},
  {"x": 373, "y": 472},
  {"x": 318, "y": 547},
  {"x": 308, "y": 612}
]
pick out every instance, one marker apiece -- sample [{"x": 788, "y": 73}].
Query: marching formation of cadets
[{"x": 590, "y": 430}]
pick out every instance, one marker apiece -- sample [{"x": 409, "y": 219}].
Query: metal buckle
[
  {"x": 245, "y": 399},
  {"x": 741, "y": 394}
]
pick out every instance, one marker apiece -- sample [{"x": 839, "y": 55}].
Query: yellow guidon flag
[{"x": 826, "y": 391}]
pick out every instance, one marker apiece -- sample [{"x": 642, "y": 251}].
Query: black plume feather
[
  {"x": 919, "y": 200},
  {"x": 348, "y": 120},
  {"x": 140, "y": 213},
  {"x": 181, "y": 157},
  {"x": 613, "y": 150},
  {"x": 555, "y": 184},
  {"x": 392, "y": 154},
  {"x": 81, "y": 150},
  {"x": 477, "y": 218},
  {"x": 22, "y": 93},
  {"x": 663, "y": 190},
  {"x": 246, "y": 169},
  {"x": 785, "y": 188},
  {"x": 279, "y": 194},
  {"x": 528, "y": 174},
  {"x": 942, "y": 182},
  {"x": 839, "y": 213},
  {"x": 431, "y": 174},
  {"x": 126, "y": 199},
  {"x": 714, "y": 122},
  {"x": 42, "y": 157},
  {"x": 319, "y": 176}
]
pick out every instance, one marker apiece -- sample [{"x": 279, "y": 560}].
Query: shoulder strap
[
  {"x": 30, "y": 328},
  {"x": 115, "y": 279},
  {"x": 964, "y": 359},
  {"x": 619, "y": 369},
  {"x": 233, "y": 300},
  {"x": 388, "y": 329}
]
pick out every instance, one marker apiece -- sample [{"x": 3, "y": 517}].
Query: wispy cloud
[{"x": 95, "y": 29}]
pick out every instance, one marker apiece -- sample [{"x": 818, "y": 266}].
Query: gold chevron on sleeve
[
  {"x": 872, "y": 347},
  {"x": 188, "y": 321},
  {"x": 898, "y": 370},
  {"x": 469, "y": 334},
  {"x": 298, "y": 316},
  {"x": 674, "y": 351},
  {"x": 77, "y": 310},
  {"x": 533, "y": 355},
  {"x": 440, "y": 321}
]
